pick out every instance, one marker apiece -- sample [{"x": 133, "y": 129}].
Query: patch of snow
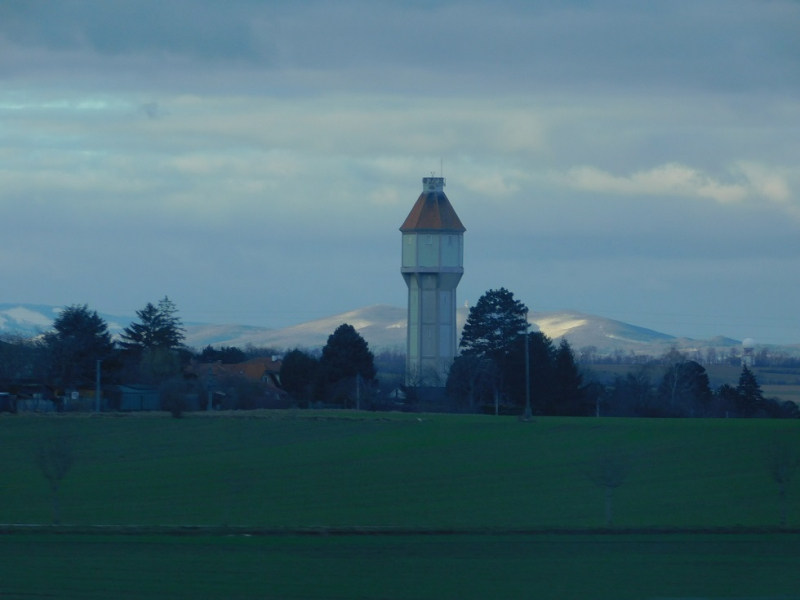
[
  {"x": 556, "y": 327},
  {"x": 114, "y": 326},
  {"x": 25, "y": 315}
]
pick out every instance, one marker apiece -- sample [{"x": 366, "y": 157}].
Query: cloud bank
[{"x": 254, "y": 160}]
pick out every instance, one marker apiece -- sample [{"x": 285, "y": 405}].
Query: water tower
[
  {"x": 748, "y": 352},
  {"x": 432, "y": 265}
]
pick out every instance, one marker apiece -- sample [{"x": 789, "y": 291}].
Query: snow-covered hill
[
  {"x": 381, "y": 325},
  {"x": 27, "y": 320},
  {"x": 30, "y": 320},
  {"x": 384, "y": 327}
]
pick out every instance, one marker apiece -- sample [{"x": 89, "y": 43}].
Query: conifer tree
[
  {"x": 494, "y": 329},
  {"x": 159, "y": 327},
  {"x": 298, "y": 375},
  {"x": 152, "y": 345},
  {"x": 567, "y": 385},
  {"x": 346, "y": 363},
  {"x": 347, "y": 354},
  {"x": 750, "y": 397},
  {"x": 78, "y": 340},
  {"x": 172, "y": 332},
  {"x": 493, "y": 324}
]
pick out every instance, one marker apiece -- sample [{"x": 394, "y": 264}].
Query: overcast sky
[{"x": 254, "y": 160}]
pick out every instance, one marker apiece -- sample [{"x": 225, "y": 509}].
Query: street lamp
[{"x": 528, "y": 412}]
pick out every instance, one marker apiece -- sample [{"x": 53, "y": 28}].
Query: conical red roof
[{"x": 433, "y": 211}]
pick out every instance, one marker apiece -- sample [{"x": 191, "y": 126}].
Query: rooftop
[{"x": 433, "y": 210}]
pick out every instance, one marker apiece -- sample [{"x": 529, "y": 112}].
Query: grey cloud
[
  {"x": 205, "y": 30},
  {"x": 262, "y": 173},
  {"x": 519, "y": 45},
  {"x": 486, "y": 47}
]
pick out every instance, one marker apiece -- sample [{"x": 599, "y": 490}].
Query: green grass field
[
  {"x": 401, "y": 567},
  {"x": 296, "y": 469},
  {"x": 481, "y": 475}
]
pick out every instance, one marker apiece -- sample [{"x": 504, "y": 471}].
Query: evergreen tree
[
  {"x": 750, "y": 397},
  {"x": 346, "y": 361},
  {"x": 298, "y": 374},
  {"x": 493, "y": 324},
  {"x": 347, "y": 354},
  {"x": 138, "y": 336},
  {"x": 79, "y": 339},
  {"x": 567, "y": 392},
  {"x": 541, "y": 361},
  {"x": 152, "y": 347},
  {"x": 159, "y": 327},
  {"x": 172, "y": 332}
]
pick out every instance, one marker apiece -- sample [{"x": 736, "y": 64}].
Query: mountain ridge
[{"x": 384, "y": 328}]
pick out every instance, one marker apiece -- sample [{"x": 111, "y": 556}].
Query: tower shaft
[{"x": 432, "y": 266}]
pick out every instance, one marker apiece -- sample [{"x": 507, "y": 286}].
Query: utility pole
[
  {"x": 528, "y": 411},
  {"x": 97, "y": 387}
]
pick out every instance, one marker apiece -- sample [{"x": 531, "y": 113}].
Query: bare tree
[
  {"x": 54, "y": 459},
  {"x": 609, "y": 470},
  {"x": 782, "y": 462}
]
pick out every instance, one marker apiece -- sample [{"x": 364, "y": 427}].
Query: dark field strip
[
  {"x": 543, "y": 566},
  {"x": 188, "y": 530}
]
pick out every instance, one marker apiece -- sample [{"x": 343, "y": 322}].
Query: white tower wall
[{"x": 432, "y": 266}]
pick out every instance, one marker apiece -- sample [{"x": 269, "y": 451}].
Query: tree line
[
  {"x": 765, "y": 357},
  {"x": 489, "y": 375},
  {"x": 78, "y": 352},
  {"x": 502, "y": 368},
  {"x": 79, "y": 346}
]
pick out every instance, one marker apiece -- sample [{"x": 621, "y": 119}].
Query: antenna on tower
[{"x": 441, "y": 167}]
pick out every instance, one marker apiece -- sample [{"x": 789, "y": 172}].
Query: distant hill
[
  {"x": 384, "y": 327},
  {"x": 589, "y": 330},
  {"x": 30, "y": 320}
]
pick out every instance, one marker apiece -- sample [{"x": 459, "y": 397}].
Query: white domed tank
[{"x": 748, "y": 352}]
